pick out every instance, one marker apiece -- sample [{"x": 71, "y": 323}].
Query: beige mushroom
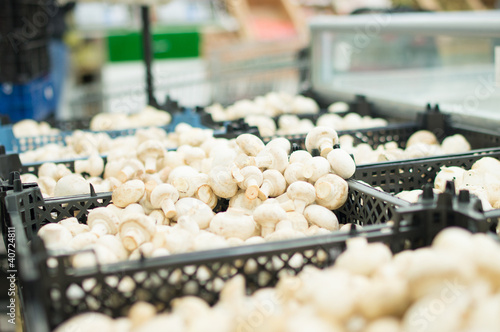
[
  {"x": 140, "y": 313},
  {"x": 323, "y": 139},
  {"x": 273, "y": 157},
  {"x": 128, "y": 193},
  {"x": 74, "y": 226},
  {"x": 315, "y": 168},
  {"x": 55, "y": 236},
  {"x": 250, "y": 144},
  {"x": 267, "y": 216},
  {"x": 422, "y": 136},
  {"x": 94, "y": 165},
  {"x": 331, "y": 191},
  {"x": 302, "y": 194},
  {"x": 70, "y": 185},
  {"x": 195, "y": 209},
  {"x": 252, "y": 182},
  {"x": 102, "y": 221},
  {"x": 322, "y": 217},
  {"x": 148, "y": 152},
  {"x": 164, "y": 196},
  {"x": 135, "y": 229},
  {"x": 342, "y": 163},
  {"x": 233, "y": 223},
  {"x": 130, "y": 169},
  {"x": 273, "y": 184},
  {"x": 222, "y": 182}
]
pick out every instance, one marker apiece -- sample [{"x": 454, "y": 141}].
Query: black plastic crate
[
  {"x": 478, "y": 138},
  {"x": 158, "y": 280},
  {"x": 397, "y": 176}
]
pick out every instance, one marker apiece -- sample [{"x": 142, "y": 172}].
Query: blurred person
[{"x": 58, "y": 50}]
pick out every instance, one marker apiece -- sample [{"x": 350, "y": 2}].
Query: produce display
[
  {"x": 262, "y": 110},
  {"x": 420, "y": 144},
  {"x": 84, "y": 144},
  {"x": 481, "y": 180},
  {"x": 454, "y": 286},
  {"x": 163, "y": 201},
  {"x": 149, "y": 116}
]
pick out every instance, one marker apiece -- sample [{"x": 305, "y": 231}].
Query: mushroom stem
[
  {"x": 236, "y": 173},
  {"x": 300, "y": 205},
  {"x": 267, "y": 229},
  {"x": 265, "y": 190},
  {"x": 150, "y": 165},
  {"x": 100, "y": 229},
  {"x": 125, "y": 174},
  {"x": 168, "y": 207},
  {"x": 325, "y": 148},
  {"x": 206, "y": 195},
  {"x": 252, "y": 190},
  {"x": 181, "y": 184},
  {"x": 133, "y": 238},
  {"x": 263, "y": 161}
]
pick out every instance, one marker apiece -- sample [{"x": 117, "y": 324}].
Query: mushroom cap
[
  {"x": 266, "y": 213},
  {"x": 251, "y": 173},
  {"x": 331, "y": 191},
  {"x": 487, "y": 165},
  {"x": 128, "y": 193},
  {"x": 136, "y": 222},
  {"x": 422, "y": 136},
  {"x": 300, "y": 156},
  {"x": 318, "y": 134},
  {"x": 455, "y": 144},
  {"x": 301, "y": 190},
  {"x": 55, "y": 236},
  {"x": 250, "y": 144},
  {"x": 221, "y": 181},
  {"x": 322, "y": 217},
  {"x": 192, "y": 207},
  {"x": 73, "y": 184},
  {"x": 280, "y": 142},
  {"x": 163, "y": 191},
  {"x": 74, "y": 226},
  {"x": 105, "y": 214},
  {"x": 141, "y": 312},
  {"x": 338, "y": 107},
  {"x": 233, "y": 223},
  {"x": 87, "y": 322},
  {"x": 150, "y": 148},
  {"x": 315, "y": 168},
  {"x": 276, "y": 179},
  {"x": 47, "y": 169},
  {"x": 279, "y": 157},
  {"x": 115, "y": 245},
  {"x": 452, "y": 173},
  {"x": 342, "y": 163}
]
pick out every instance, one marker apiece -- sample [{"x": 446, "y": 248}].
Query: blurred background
[{"x": 199, "y": 48}]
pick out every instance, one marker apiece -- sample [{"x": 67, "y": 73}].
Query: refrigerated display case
[{"x": 403, "y": 62}]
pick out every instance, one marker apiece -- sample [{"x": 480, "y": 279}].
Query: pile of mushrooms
[
  {"x": 29, "y": 127},
  {"x": 452, "y": 286},
  {"x": 148, "y": 117},
  {"x": 82, "y": 144},
  {"x": 163, "y": 201},
  {"x": 420, "y": 144},
  {"x": 261, "y": 111},
  {"x": 482, "y": 180}
]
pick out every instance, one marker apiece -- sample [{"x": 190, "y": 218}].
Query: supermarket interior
[{"x": 250, "y": 165}]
